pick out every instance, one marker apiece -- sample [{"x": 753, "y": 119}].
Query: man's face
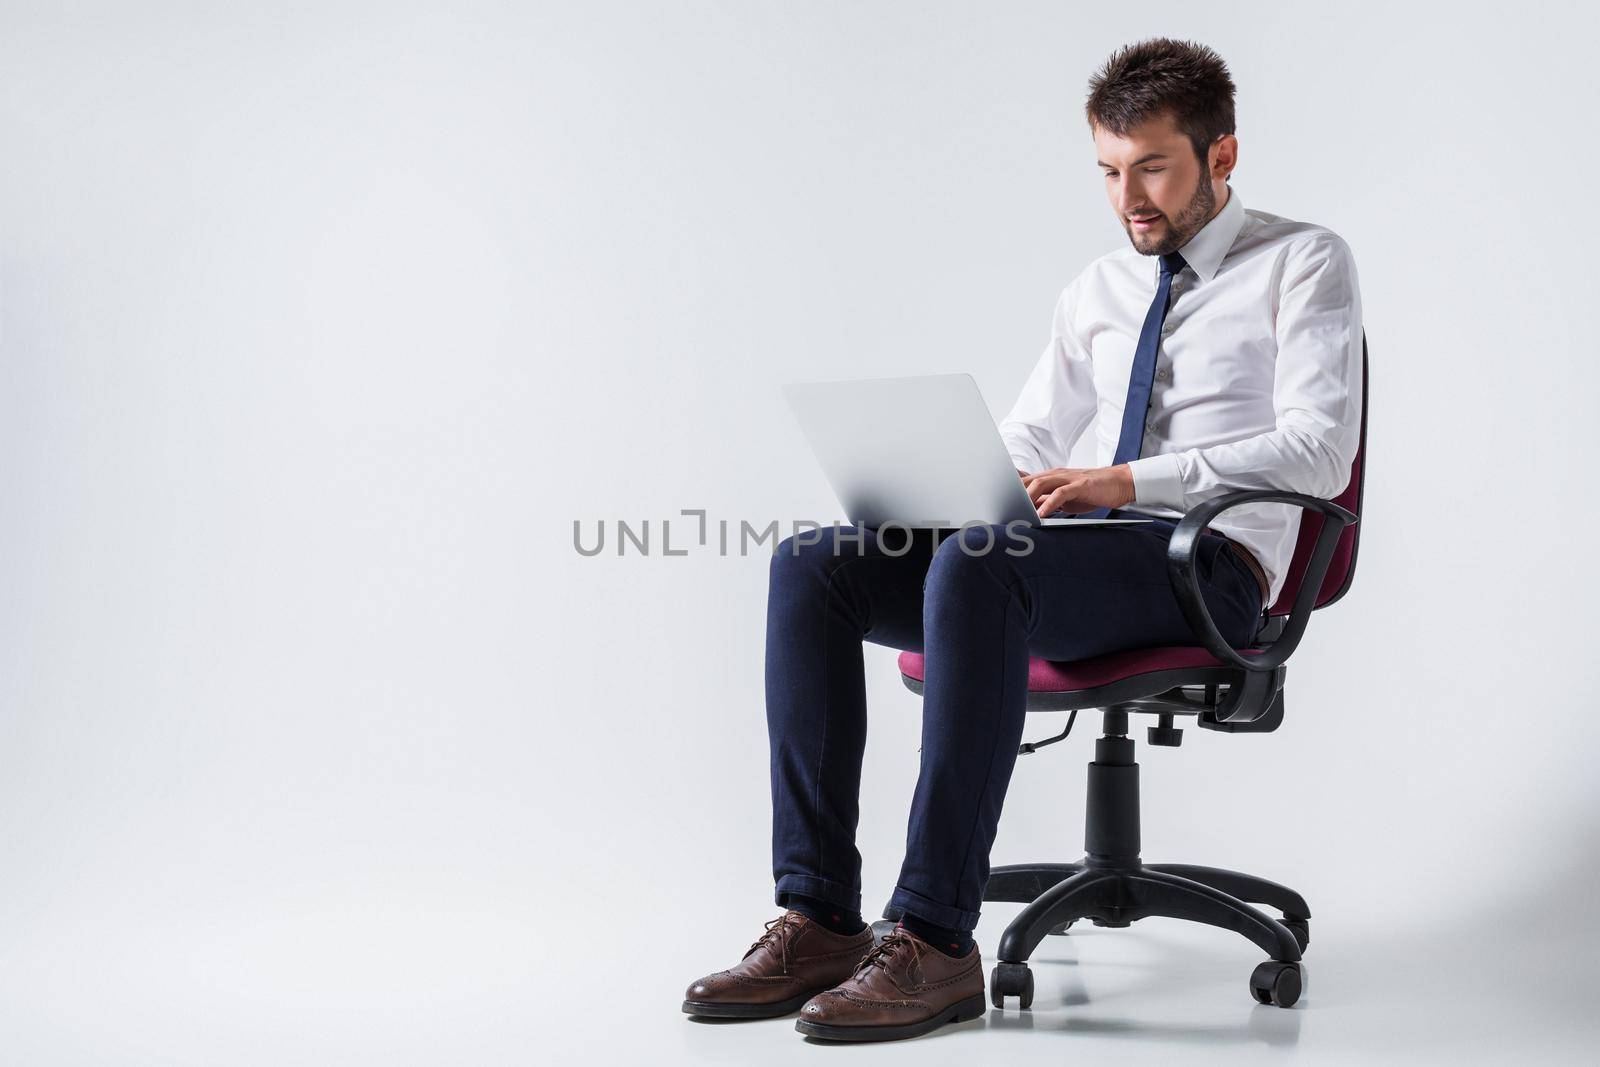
[{"x": 1161, "y": 193}]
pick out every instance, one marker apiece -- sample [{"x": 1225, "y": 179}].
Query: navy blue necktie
[{"x": 1131, "y": 439}]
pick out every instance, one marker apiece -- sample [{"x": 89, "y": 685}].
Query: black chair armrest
[{"x": 1185, "y": 540}]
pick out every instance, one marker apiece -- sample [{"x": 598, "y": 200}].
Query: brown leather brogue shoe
[
  {"x": 903, "y": 988},
  {"x": 789, "y": 964}
]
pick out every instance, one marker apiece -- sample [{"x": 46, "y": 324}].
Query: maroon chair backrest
[{"x": 1342, "y": 568}]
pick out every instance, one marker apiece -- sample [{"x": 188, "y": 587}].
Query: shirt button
[{"x": 1163, "y": 374}]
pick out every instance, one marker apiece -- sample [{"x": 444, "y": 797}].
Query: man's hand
[{"x": 1076, "y": 490}]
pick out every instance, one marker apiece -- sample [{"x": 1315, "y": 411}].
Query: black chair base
[{"x": 1111, "y": 887}]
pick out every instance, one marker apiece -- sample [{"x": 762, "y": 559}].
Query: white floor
[
  {"x": 1164, "y": 991},
  {"x": 443, "y": 971}
]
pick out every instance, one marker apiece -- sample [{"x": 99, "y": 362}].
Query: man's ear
[{"x": 1223, "y": 156}]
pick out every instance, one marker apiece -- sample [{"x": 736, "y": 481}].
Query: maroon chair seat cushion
[{"x": 1047, "y": 676}]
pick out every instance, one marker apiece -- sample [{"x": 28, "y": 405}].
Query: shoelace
[
  {"x": 775, "y": 930},
  {"x": 879, "y": 954}
]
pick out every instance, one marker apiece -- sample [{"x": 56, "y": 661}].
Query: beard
[{"x": 1180, "y": 229}]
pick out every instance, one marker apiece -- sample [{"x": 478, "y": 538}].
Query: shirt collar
[{"x": 1205, "y": 250}]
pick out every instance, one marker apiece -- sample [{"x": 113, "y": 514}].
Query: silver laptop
[{"x": 919, "y": 452}]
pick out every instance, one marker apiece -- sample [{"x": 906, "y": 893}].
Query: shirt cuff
[
  {"x": 1022, "y": 458},
  {"x": 1157, "y": 481}
]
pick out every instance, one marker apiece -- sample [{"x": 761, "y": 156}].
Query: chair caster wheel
[
  {"x": 1277, "y": 982},
  {"x": 1061, "y": 928},
  {"x": 1011, "y": 980},
  {"x": 1301, "y": 929}
]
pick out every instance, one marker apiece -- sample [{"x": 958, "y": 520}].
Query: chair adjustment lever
[
  {"x": 1164, "y": 733},
  {"x": 1033, "y": 746}
]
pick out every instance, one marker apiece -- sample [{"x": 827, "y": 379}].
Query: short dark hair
[{"x": 1140, "y": 81}]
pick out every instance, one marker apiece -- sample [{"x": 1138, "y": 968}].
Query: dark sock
[
  {"x": 953, "y": 943},
  {"x": 835, "y": 917}
]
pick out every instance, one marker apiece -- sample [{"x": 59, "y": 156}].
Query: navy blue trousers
[{"x": 978, "y": 610}]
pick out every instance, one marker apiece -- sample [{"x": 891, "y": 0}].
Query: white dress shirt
[{"x": 1257, "y": 382}]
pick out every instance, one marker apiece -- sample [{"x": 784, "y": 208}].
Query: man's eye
[{"x": 1154, "y": 170}]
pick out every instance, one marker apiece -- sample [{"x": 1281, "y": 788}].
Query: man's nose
[{"x": 1130, "y": 197}]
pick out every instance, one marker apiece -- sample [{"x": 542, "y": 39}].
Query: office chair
[{"x": 1234, "y": 691}]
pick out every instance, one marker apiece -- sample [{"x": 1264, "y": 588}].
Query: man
[{"x": 1222, "y": 351}]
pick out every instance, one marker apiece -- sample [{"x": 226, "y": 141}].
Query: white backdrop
[{"x": 320, "y": 325}]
